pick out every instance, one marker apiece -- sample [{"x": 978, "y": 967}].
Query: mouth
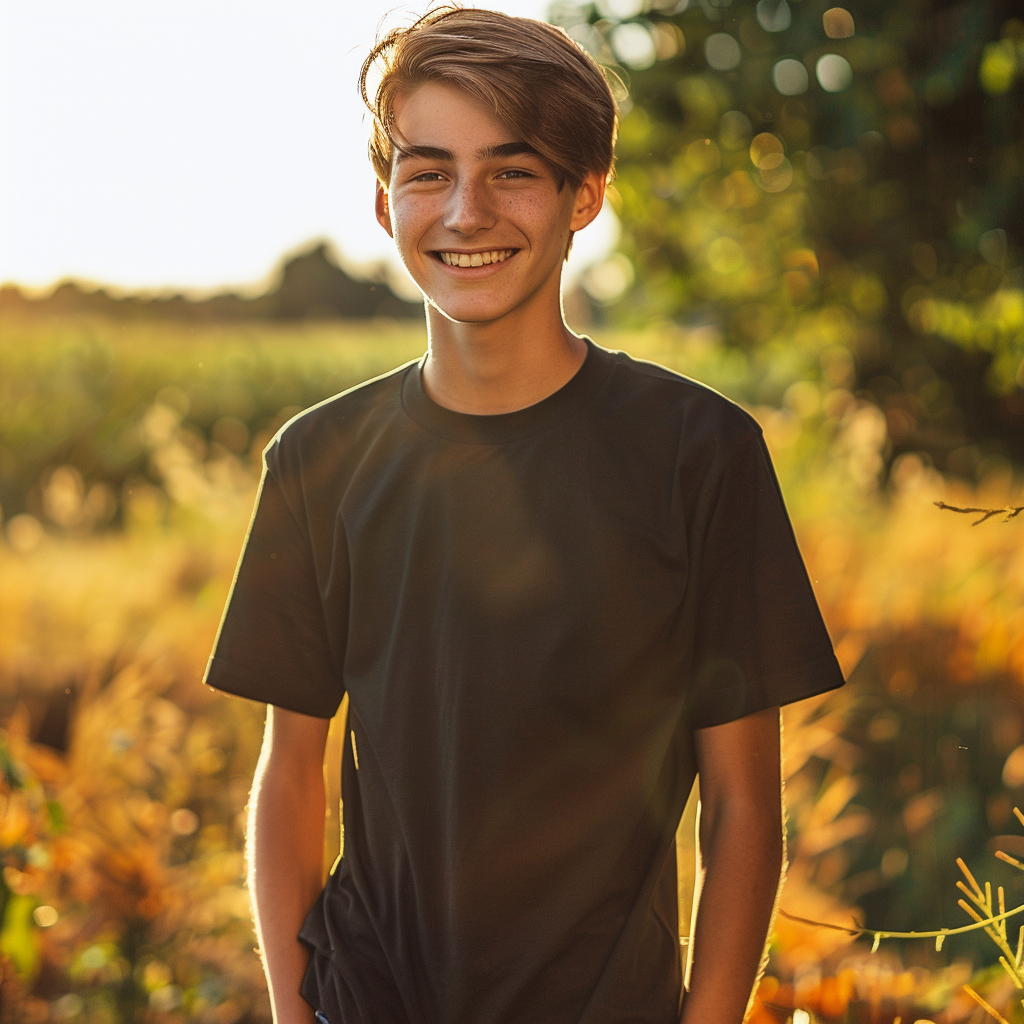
[{"x": 473, "y": 259}]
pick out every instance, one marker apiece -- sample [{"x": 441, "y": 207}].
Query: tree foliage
[{"x": 834, "y": 192}]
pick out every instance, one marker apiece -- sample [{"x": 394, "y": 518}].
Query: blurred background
[{"x": 817, "y": 210}]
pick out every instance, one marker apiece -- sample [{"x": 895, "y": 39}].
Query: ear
[
  {"x": 589, "y": 200},
  {"x": 382, "y": 210}
]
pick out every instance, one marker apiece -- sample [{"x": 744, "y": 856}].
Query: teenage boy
[{"x": 555, "y": 583}]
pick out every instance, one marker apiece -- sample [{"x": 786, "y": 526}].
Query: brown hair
[{"x": 542, "y": 85}]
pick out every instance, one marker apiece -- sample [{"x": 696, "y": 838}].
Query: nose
[{"x": 468, "y": 209}]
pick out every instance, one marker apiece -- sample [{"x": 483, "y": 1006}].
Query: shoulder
[
  {"x": 707, "y": 423},
  {"x": 330, "y": 426}
]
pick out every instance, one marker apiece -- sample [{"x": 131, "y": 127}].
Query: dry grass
[{"x": 132, "y": 834}]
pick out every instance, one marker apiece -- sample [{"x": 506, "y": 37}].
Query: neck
[{"x": 499, "y": 366}]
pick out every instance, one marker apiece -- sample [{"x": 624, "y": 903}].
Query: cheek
[
  {"x": 547, "y": 226},
  {"x": 406, "y": 227},
  {"x": 542, "y": 214}
]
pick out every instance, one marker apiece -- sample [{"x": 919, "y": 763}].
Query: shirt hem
[
  {"x": 236, "y": 685},
  {"x": 808, "y": 679}
]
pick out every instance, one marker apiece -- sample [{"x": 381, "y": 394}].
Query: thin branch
[
  {"x": 980, "y": 900},
  {"x": 1010, "y": 511},
  {"x": 979, "y": 923},
  {"x": 1012, "y": 972},
  {"x": 1009, "y": 860},
  {"x": 985, "y": 1006},
  {"x": 997, "y": 933},
  {"x": 964, "y": 905},
  {"x": 966, "y": 871}
]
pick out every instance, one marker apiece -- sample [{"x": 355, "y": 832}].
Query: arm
[
  {"x": 739, "y": 861},
  {"x": 285, "y": 846}
]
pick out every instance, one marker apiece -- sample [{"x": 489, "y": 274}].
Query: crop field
[{"x": 129, "y": 459}]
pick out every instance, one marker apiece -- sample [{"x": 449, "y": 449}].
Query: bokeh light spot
[
  {"x": 45, "y": 917},
  {"x": 766, "y": 151},
  {"x": 802, "y": 396},
  {"x": 777, "y": 178},
  {"x": 773, "y": 15},
  {"x": 609, "y": 280},
  {"x": 668, "y": 40},
  {"x": 868, "y": 295},
  {"x": 703, "y": 156},
  {"x": 998, "y": 67},
  {"x": 992, "y": 246},
  {"x": 722, "y": 51},
  {"x": 838, "y": 23},
  {"x": 620, "y": 9},
  {"x": 633, "y": 45},
  {"x": 184, "y": 821},
  {"x": 165, "y": 998},
  {"x": 93, "y": 958},
  {"x": 725, "y": 255},
  {"x": 588, "y": 37},
  {"x": 834, "y": 72},
  {"x": 789, "y": 76},
  {"x": 734, "y": 130},
  {"x": 802, "y": 259},
  {"x": 67, "y": 1007},
  {"x": 894, "y": 862},
  {"x": 24, "y": 533},
  {"x": 1013, "y": 769}
]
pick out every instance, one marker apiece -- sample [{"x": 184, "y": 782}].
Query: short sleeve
[
  {"x": 273, "y": 644},
  {"x": 760, "y": 640}
]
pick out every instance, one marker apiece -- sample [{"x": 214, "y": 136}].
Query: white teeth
[{"x": 476, "y": 259}]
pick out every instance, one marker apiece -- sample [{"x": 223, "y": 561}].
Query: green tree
[{"x": 836, "y": 193}]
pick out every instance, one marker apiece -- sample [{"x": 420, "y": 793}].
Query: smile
[{"x": 475, "y": 259}]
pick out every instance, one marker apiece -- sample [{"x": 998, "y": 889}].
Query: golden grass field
[{"x": 129, "y": 454}]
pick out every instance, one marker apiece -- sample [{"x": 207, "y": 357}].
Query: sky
[{"x": 186, "y": 145}]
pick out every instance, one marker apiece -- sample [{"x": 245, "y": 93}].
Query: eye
[
  {"x": 428, "y": 176},
  {"x": 514, "y": 172}
]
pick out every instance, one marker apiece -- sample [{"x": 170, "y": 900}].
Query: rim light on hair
[{"x": 545, "y": 87}]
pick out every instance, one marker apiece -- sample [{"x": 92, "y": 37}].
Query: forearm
[
  {"x": 740, "y": 862},
  {"x": 285, "y": 852}
]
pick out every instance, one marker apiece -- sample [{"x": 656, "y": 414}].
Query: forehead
[{"x": 437, "y": 113}]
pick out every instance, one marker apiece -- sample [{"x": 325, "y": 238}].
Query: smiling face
[{"x": 477, "y": 214}]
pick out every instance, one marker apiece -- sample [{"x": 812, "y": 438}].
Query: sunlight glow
[{"x": 187, "y": 145}]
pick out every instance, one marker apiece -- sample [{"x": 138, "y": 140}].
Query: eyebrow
[{"x": 505, "y": 149}]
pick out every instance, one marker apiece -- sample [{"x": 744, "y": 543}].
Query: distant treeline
[{"x": 311, "y": 286}]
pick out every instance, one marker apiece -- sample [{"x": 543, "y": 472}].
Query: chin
[{"x": 469, "y": 312}]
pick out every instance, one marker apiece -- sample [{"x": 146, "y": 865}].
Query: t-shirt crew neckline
[{"x": 470, "y": 428}]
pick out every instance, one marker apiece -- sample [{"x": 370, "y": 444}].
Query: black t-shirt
[{"x": 531, "y": 613}]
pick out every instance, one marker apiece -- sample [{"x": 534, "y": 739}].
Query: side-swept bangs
[{"x": 548, "y": 91}]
